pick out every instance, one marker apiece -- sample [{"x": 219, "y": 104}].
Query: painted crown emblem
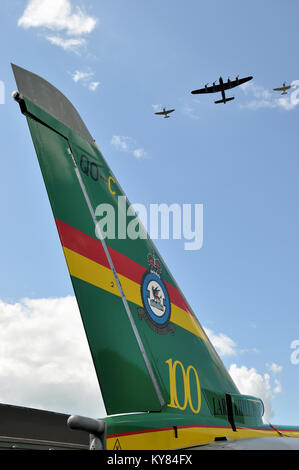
[{"x": 154, "y": 264}]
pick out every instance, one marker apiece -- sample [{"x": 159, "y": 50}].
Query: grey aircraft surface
[{"x": 222, "y": 87}]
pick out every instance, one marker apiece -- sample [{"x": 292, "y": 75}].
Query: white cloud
[
  {"x": 78, "y": 76},
  {"x": 59, "y": 16},
  {"x": 121, "y": 142},
  {"x": 250, "y": 382},
  {"x": 139, "y": 153},
  {"x": 45, "y": 359},
  {"x": 127, "y": 144},
  {"x": 278, "y": 388},
  {"x": 224, "y": 345},
  {"x": 257, "y": 91},
  {"x": 86, "y": 79},
  {"x": 72, "y": 44},
  {"x": 93, "y": 86},
  {"x": 264, "y": 98},
  {"x": 275, "y": 368},
  {"x": 292, "y": 99}
]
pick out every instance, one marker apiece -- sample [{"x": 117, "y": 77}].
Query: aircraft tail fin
[
  {"x": 149, "y": 350},
  {"x": 225, "y": 100}
]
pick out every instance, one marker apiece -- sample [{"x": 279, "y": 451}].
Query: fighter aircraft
[
  {"x": 284, "y": 88},
  {"x": 222, "y": 87},
  {"x": 163, "y": 384},
  {"x": 165, "y": 112}
]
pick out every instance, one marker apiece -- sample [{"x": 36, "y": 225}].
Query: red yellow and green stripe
[{"x": 87, "y": 261}]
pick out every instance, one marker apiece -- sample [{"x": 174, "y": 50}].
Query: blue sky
[{"x": 116, "y": 61}]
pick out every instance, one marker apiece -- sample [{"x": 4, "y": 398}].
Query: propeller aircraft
[
  {"x": 165, "y": 112},
  {"x": 222, "y": 87}
]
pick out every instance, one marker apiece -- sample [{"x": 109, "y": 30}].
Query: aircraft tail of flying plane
[
  {"x": 224, "y": 100},
  {"x": 153, "y": 359}
]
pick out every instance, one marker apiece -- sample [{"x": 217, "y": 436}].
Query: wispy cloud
[
  {"x": 86, "y": 79},
  {"x": 226, "y": 346},
  {"x": 139, "y": 153},
  {"x": 157, "y": 107},
  {"x": 121, "y": 142},
  {"x": 59, "y": 16},
  {"x": 278, "y": 387},
  {"x": 223, "y": 344},
  {"x": 72, "y": 44},
  {"x": 275, "y": 368},
  {"x": 93, "y": 86},
  {"x": 82, "y": 76},
  {"x": 261, "y": 97},
  {"x": 190, "y": 111},
  {"x": 128, "y": 145},
  {"x": 251, "y": 350}
]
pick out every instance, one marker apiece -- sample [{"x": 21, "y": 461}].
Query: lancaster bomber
[{"x": 222, "y": 87}]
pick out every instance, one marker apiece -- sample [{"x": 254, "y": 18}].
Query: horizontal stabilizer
[{"x": 224, "y": 101}]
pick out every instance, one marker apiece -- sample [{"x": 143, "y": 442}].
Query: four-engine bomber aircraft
[
  {"x": 165, "y": 112},
  {"x": 163, "y": 384},
  {"x": 284, "y": 88},
  {"x": 222, "y": 87}
]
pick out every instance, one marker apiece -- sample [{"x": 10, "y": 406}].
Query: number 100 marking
[{"x": 174, "y": 402}]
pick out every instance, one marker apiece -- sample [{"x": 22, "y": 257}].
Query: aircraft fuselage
[{"x": 222, "y": 89}]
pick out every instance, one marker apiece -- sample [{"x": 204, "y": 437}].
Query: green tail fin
[{"x": 149, "y": 350}]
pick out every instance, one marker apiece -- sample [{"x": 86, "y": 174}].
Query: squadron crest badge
[{"x": 155, "y": 299}]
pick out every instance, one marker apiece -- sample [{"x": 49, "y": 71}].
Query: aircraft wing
[
  {"x": 208, "y": 89},
  {"x": 282, "y": 88},
  {"x": 234, "y": 83},
  {"x": 165, "y": 112},
  {"x": 225, "y": 86}
]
